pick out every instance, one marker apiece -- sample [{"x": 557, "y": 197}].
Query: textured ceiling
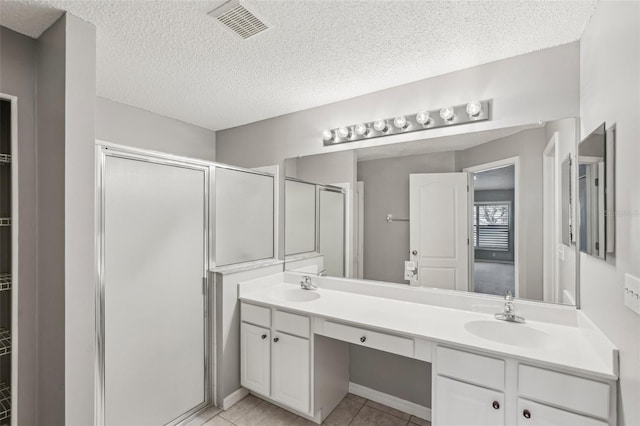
[{"x": 171, "y": 58}]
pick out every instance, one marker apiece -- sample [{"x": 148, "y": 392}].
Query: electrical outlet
[{"x": 632, "y": 293}]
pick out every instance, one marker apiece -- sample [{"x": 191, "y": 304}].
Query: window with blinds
[{"x": 491, "y": 226}]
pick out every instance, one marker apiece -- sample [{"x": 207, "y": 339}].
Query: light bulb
[
  {"x": 344, "y": 132},
  {"x": 474, "y": 108},
  {"x": 327, "y": 135},
  {"x": 401, "y": 122},
  {"x": 361, "y": 129},
  {"x": 446, "y": 113},
  {"x": 380, "y": 125},
  {"x": 423, "y": 118}
]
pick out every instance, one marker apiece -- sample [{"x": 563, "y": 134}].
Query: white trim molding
[
  {"x": 391, "y": 401},
  {"x": 234, "y": 397}
]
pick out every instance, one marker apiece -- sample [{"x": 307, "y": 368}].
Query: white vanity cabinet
[
  {"x": 468, "y": 389},
  {"x": 471, "y": 388},
  {"x": 255, "y": 358},
  {"x": 460, "y": 403},
  {"x": 275, "y": 354}
]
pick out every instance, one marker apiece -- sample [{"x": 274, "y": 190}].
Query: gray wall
[
  {"x": 127, "y": 125},
  {"x": 405, "y": 378},
  {"x": 79, "y": 211},
  {"x": 18, "y": 63},
  {"x": 54, "y": 78},
  {"x": 386, "y": 190},
  {"x": 50, "y": 113},
  {"x": 610, "y": 91},
  {"x": 524, "y": 89},
  {"x": 528, "y": 145}
]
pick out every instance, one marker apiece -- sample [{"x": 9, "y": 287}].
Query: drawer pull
[
  {"x": 526, "y": 414},
  {"x": 363, "y": 339},
  {"x": 496, "y": 405},
  {"x": 275, "y": 339},
  {"x": 264, "y": 336}
]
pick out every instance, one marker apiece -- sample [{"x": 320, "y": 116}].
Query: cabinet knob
[
  {"x": 414, "y": 252},
  {"x": 264, "y": 336},
  {"x": 526, "y": 414},
  {"x": 363, "y": 339},
  {"x": 496, "y": 405},
  {"x": 275, "y": 339}
]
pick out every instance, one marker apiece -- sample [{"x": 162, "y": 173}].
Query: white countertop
[{"x": 579, "y": 348}]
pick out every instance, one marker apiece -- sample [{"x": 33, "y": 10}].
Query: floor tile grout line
[{"x": 358, "y": 412}]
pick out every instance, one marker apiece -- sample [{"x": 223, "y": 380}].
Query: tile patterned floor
[{"x": 352, "y": 411}]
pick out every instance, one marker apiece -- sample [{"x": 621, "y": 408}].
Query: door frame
[
  {"x": 551, "y": 220},
  {"x": 14, "y": 384},
  {"x": 511, "y": 161},
  {"x": 102, "y": 150}
]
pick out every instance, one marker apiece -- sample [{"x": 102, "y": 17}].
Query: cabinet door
[
  {"x": 291, "y": 371},
  {"x": 459, "y": 404},
  {"x": 255, "y": 358},
  {"x": 534, "y": 414}
]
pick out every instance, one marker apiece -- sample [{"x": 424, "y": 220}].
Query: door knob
[
  {"x": 414, "y": 252},
  {"x": 496, "y": 405},
  {"x": 275, "y": 339},
  {"x": 526, "y": 414},
  {"x": 264, "y": 336}
]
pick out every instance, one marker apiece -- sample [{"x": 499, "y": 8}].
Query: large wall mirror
[{"x": 482, "y": 212}]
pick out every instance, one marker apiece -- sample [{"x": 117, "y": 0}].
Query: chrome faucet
[
  {"x": 306, "y": 283},
  {"x": 509, "y": 312}
]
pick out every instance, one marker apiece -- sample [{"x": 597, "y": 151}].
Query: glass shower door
[{"x": 154, "y": 259}]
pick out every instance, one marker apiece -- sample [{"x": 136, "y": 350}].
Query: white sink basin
[
  {"x": 508, "y": 333},
  {"x": 294, "y": 295}
]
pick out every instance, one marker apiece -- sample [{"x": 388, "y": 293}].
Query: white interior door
[
  {"x": 438, "y": 212},
  {"x": 153, "y": 270}
]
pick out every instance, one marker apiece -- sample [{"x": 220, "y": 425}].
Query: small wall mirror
[
  {"x": 567, "y": 232},
  {"x": 593, "y": 168}
]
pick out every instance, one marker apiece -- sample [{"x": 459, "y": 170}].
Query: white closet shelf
[
  {"x": 5, "y": 159},
  {"x": 5, "y": 221},
  {"x": 5, "y": 282},
  {"x": 5, "y": 401},
  {"x": 5, "y": 341}
]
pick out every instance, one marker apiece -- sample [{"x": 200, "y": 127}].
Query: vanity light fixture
[
  {"x": 401, "y": 122},
  {"x": 381, "y": 126},
  {"x": 327, "y": 136},
  {"x": 423, "y": 118},
  {"x": 417, "y": 122},
  {"x": 361, "y": 129},
  {"x": 447, "y": 114},
  {"x": 344, "y": 132},
  {"x": 474, "y": 108}
]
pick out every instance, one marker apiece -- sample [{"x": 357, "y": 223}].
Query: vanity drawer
[
  {"x": 258, "y": 315},
  {"x": 564, "y": 390},
  {"x": 372, "y": 339},
  {"x": 472, "y": 368},
  {"x": 297, "y": 325},
  {"x": 533, "y": 414}
]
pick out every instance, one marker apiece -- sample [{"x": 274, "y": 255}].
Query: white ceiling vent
[{"x": 237, "y": 18}]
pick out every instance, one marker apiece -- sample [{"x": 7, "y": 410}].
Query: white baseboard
[
  {"x": 391, "y": 401},
  {"x": 234, "y": 397}
]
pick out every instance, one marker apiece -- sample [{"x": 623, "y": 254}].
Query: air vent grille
[{"x": 239, "y": 19}]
